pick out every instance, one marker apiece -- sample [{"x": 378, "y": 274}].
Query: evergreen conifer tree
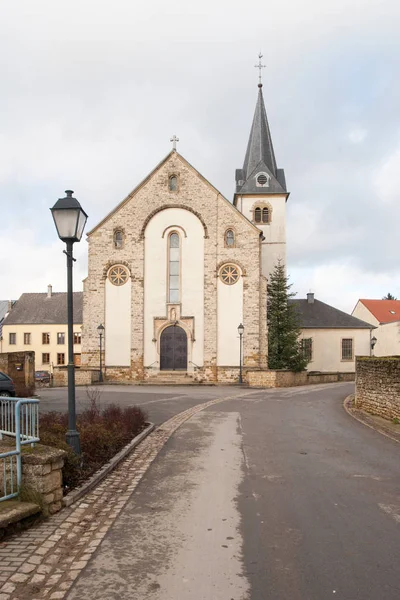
[{"x": 284, "y": 349}]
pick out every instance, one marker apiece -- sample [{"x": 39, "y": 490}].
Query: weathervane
[
  {"x": 174, "y": 139},
  {"x": 259, "y": 67}
]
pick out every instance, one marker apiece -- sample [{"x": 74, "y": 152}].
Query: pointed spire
[
  {"x": 260, "y": 174},
  {"x": 259, "y": 147}
]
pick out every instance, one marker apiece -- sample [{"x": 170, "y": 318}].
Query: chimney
[
  {"x": 310, "y": 297},
  {"x": 49, "y": 291}
]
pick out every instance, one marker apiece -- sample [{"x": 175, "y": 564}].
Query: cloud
[{"x": 93, "y": 91}]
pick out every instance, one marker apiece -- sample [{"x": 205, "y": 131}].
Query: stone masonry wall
[
  {"x": 378, "y": 385},
  {"x": 216, "y": 214},
  {"x": 42, "y": 471},
  {"x": 82, "y": 376},
  {"x": 20, "y": 366}
]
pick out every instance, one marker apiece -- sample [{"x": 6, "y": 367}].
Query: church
[{"x": 175, "y": 268}]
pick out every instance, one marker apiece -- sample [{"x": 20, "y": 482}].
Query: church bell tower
[{"x": 261, "y": 192}]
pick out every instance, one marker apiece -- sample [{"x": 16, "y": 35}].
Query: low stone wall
[
  {"x": 82, "y": 376},
  {"x": 42, "y": 472},
  {"x": 276, "y": 379},
  {"x": 378, "y": 385},
  {"x": 20, "y": 366}
]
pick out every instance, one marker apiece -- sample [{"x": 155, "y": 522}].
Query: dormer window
[
  {"x": 118, "y": 238},
  {"x": 262, "y": 180},
  {"x": 173, "y": 183}
]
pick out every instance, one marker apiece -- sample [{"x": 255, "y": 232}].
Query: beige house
[
  {"x": 38, "y": 322},
  {"x": 385, "y": 316},
  {"x": 330, "y": 337}
]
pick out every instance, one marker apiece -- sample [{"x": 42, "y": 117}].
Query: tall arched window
[
  {"x": 257, "y": 215},
  {"x": 118, "y": 238},
  {"x": 265, "y": 215},
  {"x": 174, "y": 267},
  {"x": 229, "y": 238},
  {"x": 173, "y": 183}
]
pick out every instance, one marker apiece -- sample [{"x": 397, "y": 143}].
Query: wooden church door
[{"x": 173, "y": 349}]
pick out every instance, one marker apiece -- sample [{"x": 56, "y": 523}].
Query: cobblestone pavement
[{"x": 45, "y": 561}]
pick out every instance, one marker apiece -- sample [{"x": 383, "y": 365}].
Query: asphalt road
[
  {"x": 160, "y": 402},
  {"x": 277, "y": 495}
]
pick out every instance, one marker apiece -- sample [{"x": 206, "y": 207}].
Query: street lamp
[
  {"x": 240, "y": 332},
  {"x": 70, "y": 220},
  {"x": 100, "y": 329},
  {"x": 373, "y": 342}
]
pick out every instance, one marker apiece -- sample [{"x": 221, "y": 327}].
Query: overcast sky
[{"x": 92, "y": 90}]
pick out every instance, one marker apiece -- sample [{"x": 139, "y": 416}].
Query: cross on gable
[{"x": 174, "y": 139}]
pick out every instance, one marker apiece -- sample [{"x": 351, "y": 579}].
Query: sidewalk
[{"x": 45, "y": 561}]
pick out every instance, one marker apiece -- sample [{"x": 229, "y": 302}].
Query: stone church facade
[{"x": 175, "y": 268}]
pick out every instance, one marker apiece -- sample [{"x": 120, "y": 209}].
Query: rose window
[
  {"x": 229, "y": 274},
  {"x": 118, "y": 275}
]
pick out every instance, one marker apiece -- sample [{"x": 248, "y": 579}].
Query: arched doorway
[{"x": 173, "y": 349}]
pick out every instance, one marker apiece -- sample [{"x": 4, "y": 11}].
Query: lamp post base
[{"x": 73, "y": 440}]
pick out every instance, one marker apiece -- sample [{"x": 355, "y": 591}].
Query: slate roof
[
  {"x": 385, "y": 311},
  {"x": 318, "y": 315},
  {"x": 260, "y": 157},
  {"x": 40, "y": 309}
]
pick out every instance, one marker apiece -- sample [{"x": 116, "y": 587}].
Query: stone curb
[
  {"x": 81, "y": 491},
  {"x": 351, "y": 413}
]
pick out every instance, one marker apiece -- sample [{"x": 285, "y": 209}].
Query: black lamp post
[
  {"x": 240, "y": 332},
  {"x": 373, "y": 342},
  {"x": 100, "y": 329},
  {"x": 70, "y": 220}
]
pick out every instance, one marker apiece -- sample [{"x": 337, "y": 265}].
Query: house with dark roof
[
  {"x": 38, "y": 322},
  {"x": 330, "y": 337},
  {"x": 385, "y": 316}
]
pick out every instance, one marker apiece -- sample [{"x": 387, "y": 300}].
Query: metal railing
[{"x": 19, "y": 424}]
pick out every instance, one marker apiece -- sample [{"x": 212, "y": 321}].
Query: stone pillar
[{"x": 42, "y": 473}]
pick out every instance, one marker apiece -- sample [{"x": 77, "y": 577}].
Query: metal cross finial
[
  {"x": 174, "y": 139},
  {"x": 259, "y": 67}
]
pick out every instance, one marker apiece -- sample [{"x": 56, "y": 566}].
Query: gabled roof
[
  {"x": 150, "y": 175},
  {"x": 385, "y": 311},
  {"x": 260, "y": 157},
  {"x": 41, "y": 309},
  {"x": 318, "y": 315}
]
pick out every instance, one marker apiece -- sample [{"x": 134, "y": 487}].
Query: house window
[
  {"x": 257, "y": 215},
  {"x": 118, "y": 238},
  {"x": 45, "y": 338},
  {"x": 77, "y": 338},
  {"x": 60, "y": 338},
  {"x": 60, "y": 358},
  {"x": 174, "y": 268},
  {"x": 27, "y": 339},
  {"x": 347, "y": 349},
  {"x": 173, "y": 183},
  {"x": 307, "y": 348},
  {"x": 45, "y": 358},
  {"x": 230, "y": 238},
  {"x": 12, "y": 338}
]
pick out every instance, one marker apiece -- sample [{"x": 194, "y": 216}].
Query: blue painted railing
[{"x": 19, "y": 425}]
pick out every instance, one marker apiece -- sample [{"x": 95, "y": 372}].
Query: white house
[
  {"x": 385, "y": 316},
  {"x": 330, "y": 337}
]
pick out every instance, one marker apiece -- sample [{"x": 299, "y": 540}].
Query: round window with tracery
[
  {"x": 118, "y": 275},
  {"x": 229, "y": 274}
]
